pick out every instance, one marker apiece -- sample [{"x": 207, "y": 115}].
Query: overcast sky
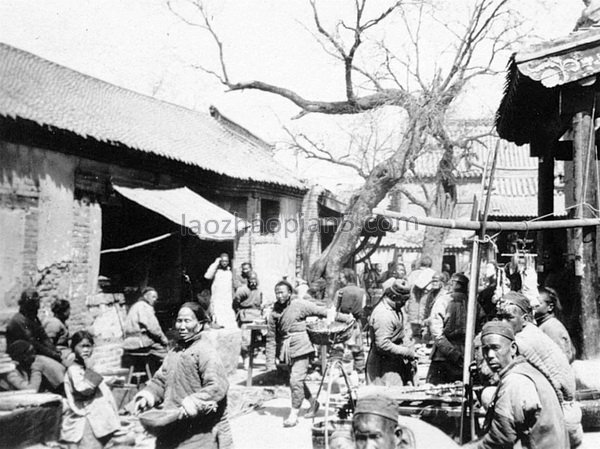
[{"x": 141, "y": 45}]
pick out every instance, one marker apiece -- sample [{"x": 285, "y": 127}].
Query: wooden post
[
  {"x": 545, "y": 238},
  {"x": 584, "y": 239}
]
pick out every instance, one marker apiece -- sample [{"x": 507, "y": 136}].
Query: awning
[{"x": 187, "y": 209}]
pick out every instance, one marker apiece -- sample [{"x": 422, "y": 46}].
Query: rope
[
  {"x": 566, "y": 209},
  {"x": 137, "y": 245}
]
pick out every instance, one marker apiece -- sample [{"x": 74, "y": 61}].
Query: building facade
[{"x": 99, "y": 182}]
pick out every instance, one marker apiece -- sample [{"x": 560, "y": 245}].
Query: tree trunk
[
  {"x": 337, "y": 254},
  {"x": 381, "y": 179},
  {"x": 433, "y": 245},
  {"x": 443, "y": 207}
]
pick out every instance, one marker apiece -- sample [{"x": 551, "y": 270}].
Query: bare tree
[{"x": 404, "y": 76}]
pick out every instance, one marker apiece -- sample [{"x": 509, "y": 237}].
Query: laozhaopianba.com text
[{"x": 290, "y": 226}]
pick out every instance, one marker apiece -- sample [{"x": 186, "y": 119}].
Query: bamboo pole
[{"x": 493, "y": 226}]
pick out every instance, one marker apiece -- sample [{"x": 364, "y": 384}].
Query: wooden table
[
  {"x": 28, "y": 418},
  {"x": 255, "y": 332},
  {"x": 422, "y": 404}
]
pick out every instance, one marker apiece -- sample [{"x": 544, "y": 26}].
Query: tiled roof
[
  {"x": 471, "y": 165},
  {"x": 525, "y": 206},
  {"x": 514, "y": 196},
  {"x": 51, "y": 95}
]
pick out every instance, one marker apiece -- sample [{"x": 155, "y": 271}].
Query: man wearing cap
[
  {"x": 545, "y": 355},
  {"x": 447, "y": 356},
  {"x": 390, "y": 360},
  {"x": 525, "y": 408},
  {"x": 288, "y": 340},
  {"x": 376, "y": 424}
]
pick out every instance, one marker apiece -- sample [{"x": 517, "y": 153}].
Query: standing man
[
  {"x": 222, "y": 291},
  {"x": 525, "y": 408},
  {"x": 435, "y": 321},
  {"x": 390, "y": 361},
  {"x": 142, "y": 330},
  {"x": 351, "y": 299},
  {"x": 25, "y": 325},
  {"x": 242, "y": 278},
  {"x": 447, "y": 356},
  {"x": 247, "y": 303},
  {"x": 287, "y": 338}
]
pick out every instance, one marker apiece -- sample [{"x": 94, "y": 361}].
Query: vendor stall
[{"x": 28, "y": 418}]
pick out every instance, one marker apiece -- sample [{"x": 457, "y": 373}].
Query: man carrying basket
[{"x": 287, "y": 337}]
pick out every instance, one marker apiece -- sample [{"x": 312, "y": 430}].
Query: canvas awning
[{"x": 189, "y": 210}]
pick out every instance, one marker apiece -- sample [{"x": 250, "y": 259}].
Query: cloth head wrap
[
  {"x": 399, "y": 289},
  {"x": 378, "y": 404},
  {"x": 501, "y": 328},
  {"x": 517, "y": 299}
]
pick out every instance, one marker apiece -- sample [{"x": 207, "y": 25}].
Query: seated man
[
  {"x": 142, "y": 330},
  {"x": 25, "y": 325},
  {"x": 56, "y": 327},
  {"x": 525, "y": 408},
  {"x": 32, "y": 372}
]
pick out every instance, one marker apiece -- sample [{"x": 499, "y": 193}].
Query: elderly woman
[
  {"x": 287, "y": 332},
  {"x": 193, "y": 381}
]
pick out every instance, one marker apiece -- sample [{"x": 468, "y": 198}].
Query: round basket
[{"x": 320, "y": 333}]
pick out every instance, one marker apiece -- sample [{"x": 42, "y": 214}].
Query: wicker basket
[{"x": 320, "y": 333}]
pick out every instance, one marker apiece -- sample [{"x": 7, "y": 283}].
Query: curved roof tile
[{"x": 36, "y": 89}]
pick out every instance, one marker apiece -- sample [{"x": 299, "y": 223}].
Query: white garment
[
  {"x": 422, "y": 277},
  {"x": 222, "y": 295}
]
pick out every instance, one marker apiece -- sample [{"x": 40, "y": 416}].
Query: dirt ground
[{"x": 263, "y": 429}]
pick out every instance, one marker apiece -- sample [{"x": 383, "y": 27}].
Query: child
[{"x": 91, "y": 416}]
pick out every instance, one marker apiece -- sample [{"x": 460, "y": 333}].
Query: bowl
[{"x": 157, "y": 422}]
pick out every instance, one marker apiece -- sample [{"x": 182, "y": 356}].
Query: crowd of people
[{"x": 522, "y": 355}]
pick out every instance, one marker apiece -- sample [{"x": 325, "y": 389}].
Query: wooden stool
[{"x": 139, "y": 366}]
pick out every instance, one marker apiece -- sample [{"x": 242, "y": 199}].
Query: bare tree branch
[
  {"x": 413, "y": 198},
  {"x": 313, "y": 150}
]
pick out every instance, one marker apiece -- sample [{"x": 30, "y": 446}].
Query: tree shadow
[{"x": 269, "y": 379}]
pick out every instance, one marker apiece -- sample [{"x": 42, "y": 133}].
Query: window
[{"x": 269, "y": 217}]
